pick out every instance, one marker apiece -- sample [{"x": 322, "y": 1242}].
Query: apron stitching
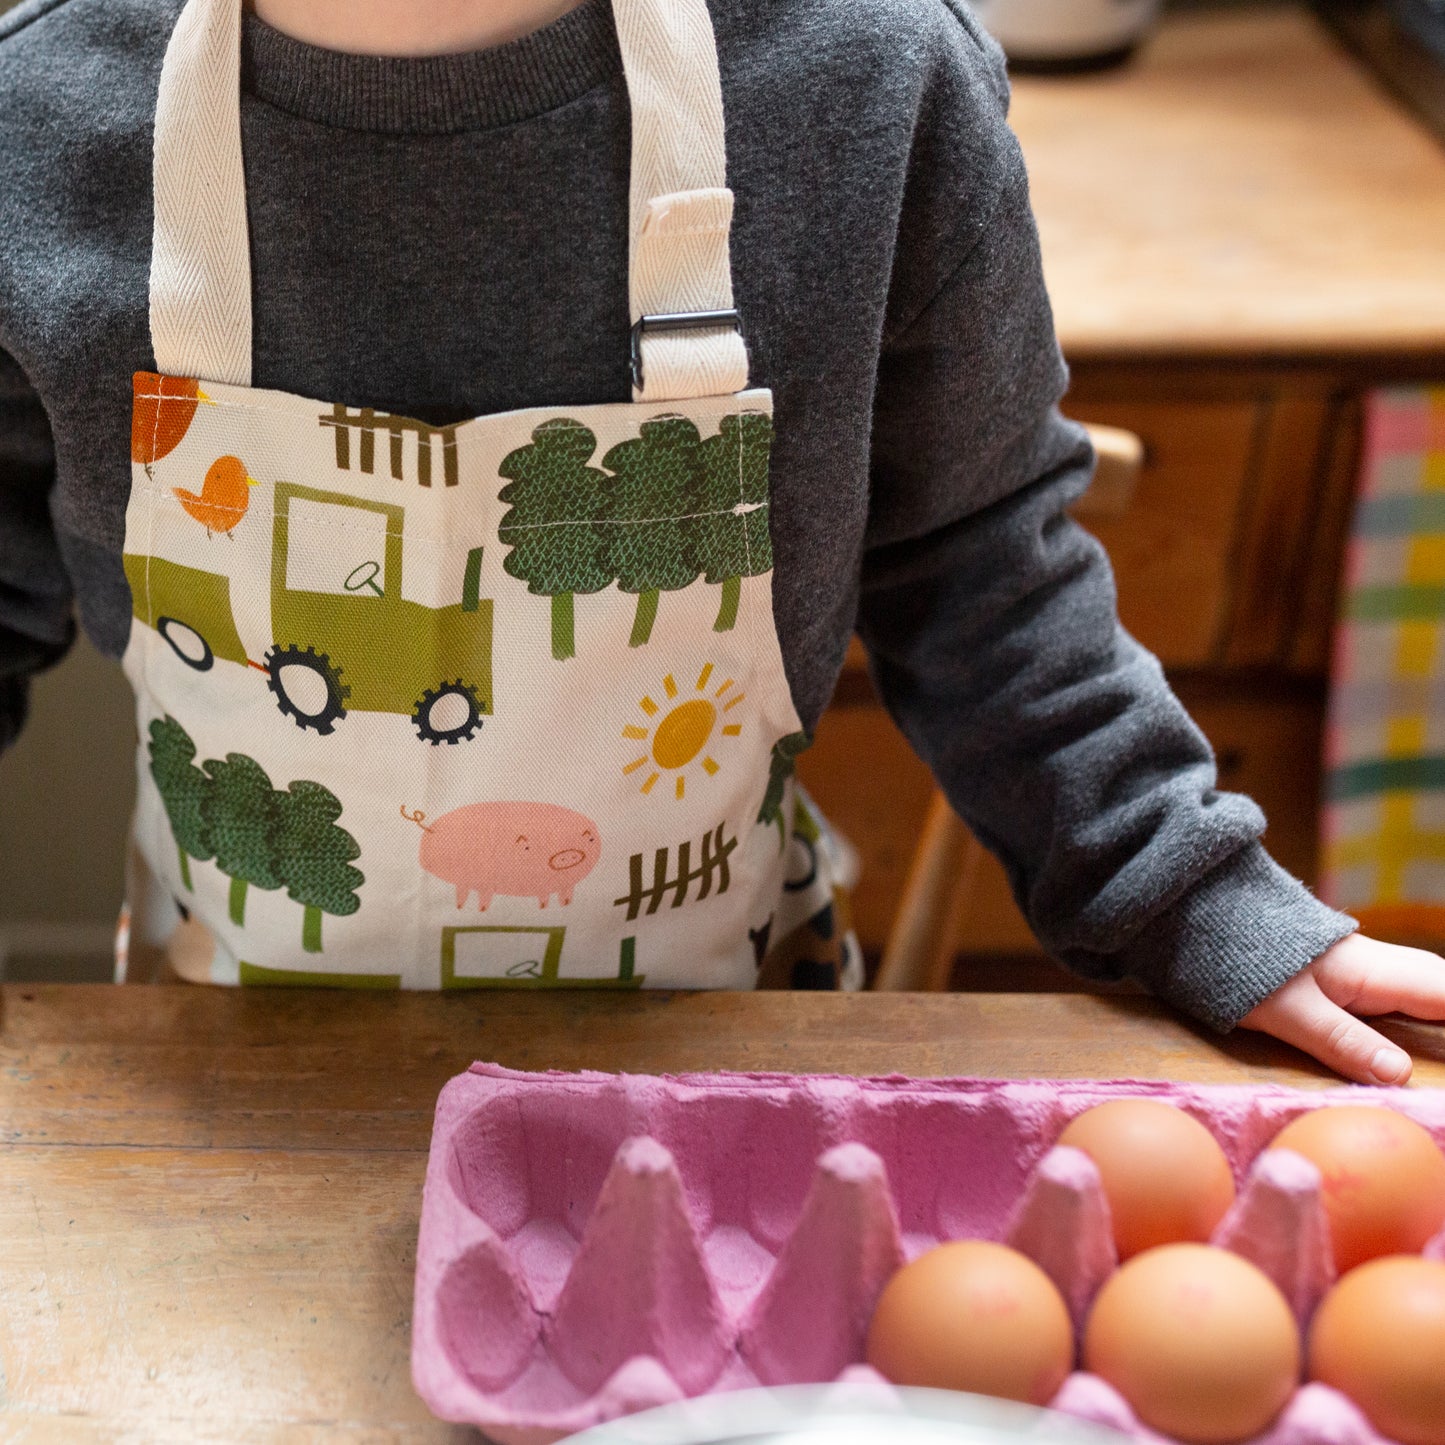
[
  {"x": 742, "y": 501},
  {"x": 150, "y": 509},
  {"x": 303, "y": 404},
  {"x": 636, "y": 521},
  {"x": 148, "y": 650},
  {"x": 318, "y": 525}
]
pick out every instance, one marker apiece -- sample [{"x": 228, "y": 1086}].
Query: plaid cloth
[{"x": 1384, "y": 817}]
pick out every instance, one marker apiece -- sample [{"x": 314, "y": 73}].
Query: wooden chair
[
  {"x": 931, "y": 917},
  {"x": 918, "y": 957}
]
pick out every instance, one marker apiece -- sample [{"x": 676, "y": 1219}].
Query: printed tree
[
  {"x": 554, "y": 500},
  {"x": 227, "y": 809},
  {"x": 730, "y": 537},
  {"x": 781, "y": 764},
  {"x": 183, "y": 790},
  {"x": 656, "y": 488},
  {"x": 674, "y": 506},
  {"x": 319, "y": 875},
  {"x": 242, "y": 811}
]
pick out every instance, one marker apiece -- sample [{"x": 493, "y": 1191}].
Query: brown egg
[
  {"x": 1199, "y": 1342},
  {"x": 1164, "y": 1174},
  {"x": 973, "y": 1316},
  {"x": 1384, "y": 1179},
  {"x": 1379, "y": 1337}
]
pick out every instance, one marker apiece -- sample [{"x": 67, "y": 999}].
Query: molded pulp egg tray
[{"x": 596, "y": 1244}]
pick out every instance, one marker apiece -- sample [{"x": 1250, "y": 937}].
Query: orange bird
[
  {"x": 164, "y": 407},
  {"x": 225, "y": 495}
]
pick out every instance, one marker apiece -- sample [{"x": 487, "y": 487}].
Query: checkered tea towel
[{"x": 1384, "y": 816}]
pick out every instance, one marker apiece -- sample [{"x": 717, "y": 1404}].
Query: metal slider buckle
[{"x": 677, "y": 321}]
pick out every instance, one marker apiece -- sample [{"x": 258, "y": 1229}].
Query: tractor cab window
[{"x": 337, "y": 549}]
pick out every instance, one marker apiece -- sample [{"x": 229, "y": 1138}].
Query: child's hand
[{"x": 1315, "y": 1011}]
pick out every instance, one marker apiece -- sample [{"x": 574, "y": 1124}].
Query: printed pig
[{"x": 518, "y": 850}]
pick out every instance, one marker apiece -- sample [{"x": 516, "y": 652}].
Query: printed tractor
[{"x": 363, "y": 648}]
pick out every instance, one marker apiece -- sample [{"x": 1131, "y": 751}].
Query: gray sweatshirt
[{"x": 447, "y": 237}]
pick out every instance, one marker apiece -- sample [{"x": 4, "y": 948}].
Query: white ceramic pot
[{"x": 1066, "y": 30}]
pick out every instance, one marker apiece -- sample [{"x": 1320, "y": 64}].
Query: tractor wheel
[
  {"x": 289, "y": 697},
  {"x": 425, "y": 719},
  {"x": 186, "y": 643}
]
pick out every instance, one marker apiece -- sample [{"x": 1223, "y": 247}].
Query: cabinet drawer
[{"x": 1173, "y": 544}]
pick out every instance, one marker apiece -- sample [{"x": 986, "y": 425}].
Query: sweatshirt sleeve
[
  {"x": 990, "y": 619},
  {"x": 35, "y": 593}
]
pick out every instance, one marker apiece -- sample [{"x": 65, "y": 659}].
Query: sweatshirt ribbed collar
[{"x": 474, "y": 91}]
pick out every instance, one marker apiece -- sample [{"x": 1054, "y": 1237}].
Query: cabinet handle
[{"x": 1116, "y": 477}]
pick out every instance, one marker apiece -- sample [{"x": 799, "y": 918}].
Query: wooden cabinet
[
  {"x": 1228, "y": 555},
  {"x": 1172, "y": 546}
]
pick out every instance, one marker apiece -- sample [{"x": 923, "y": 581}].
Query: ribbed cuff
[{"x": 1232, "y": 940}]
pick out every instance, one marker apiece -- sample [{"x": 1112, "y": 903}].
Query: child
[{"x": 489, "y": 665}]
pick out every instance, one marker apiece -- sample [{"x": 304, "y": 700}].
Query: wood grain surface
[
  {"x": 209, "y": 1197},
  {"x": 1243, "y": 187}
]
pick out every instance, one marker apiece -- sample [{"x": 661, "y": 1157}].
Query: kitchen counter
[
  {"x": 1244, "y": 187},
  {"x": 209, "y": 1197}
]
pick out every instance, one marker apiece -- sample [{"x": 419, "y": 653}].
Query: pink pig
[{"x": 520, "y": 850}]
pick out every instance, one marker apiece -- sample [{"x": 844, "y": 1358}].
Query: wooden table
[{"x": 209, "y": 1198}]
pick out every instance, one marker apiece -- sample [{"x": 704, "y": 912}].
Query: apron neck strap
[
  {"x": 200, "y": 249},
  {"x": 686, "y": 340}
]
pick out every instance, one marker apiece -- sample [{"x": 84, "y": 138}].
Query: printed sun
[{"x": 685, "y": 730}]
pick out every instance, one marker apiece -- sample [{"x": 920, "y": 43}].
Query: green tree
[
  {"x": 183, "y": 789},
  {"x": 781, "y": 764},
  {"x": 316, "y": 858},
  {"x": 227, "y": 809},
  {"x": 730, "y": 537},
  {"x": 554, "y": 500},
  {"x": 243, "y": 811},
  {"x": 657, "y": 485}
]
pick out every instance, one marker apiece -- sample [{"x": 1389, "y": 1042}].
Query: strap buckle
[{"x": 677, "y": 321}]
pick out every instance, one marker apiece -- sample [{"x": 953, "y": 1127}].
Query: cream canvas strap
[
  {"x": 686, "y": 340},
  {"x": 681, "y": 209},
  {"x": 200, "y": 248}
]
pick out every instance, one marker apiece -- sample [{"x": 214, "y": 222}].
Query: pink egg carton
[{"x": 597, "y": 1244}]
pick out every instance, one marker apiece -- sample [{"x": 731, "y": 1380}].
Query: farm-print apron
[{"x": 497, "y": 704}]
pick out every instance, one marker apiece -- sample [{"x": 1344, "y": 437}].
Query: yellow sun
[{"x": 684, "y": 731}]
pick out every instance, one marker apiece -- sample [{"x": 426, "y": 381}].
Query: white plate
[{"x": 845, "y": 1415}]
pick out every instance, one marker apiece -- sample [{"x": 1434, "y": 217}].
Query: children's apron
[{"x": 497, "y": 704}]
